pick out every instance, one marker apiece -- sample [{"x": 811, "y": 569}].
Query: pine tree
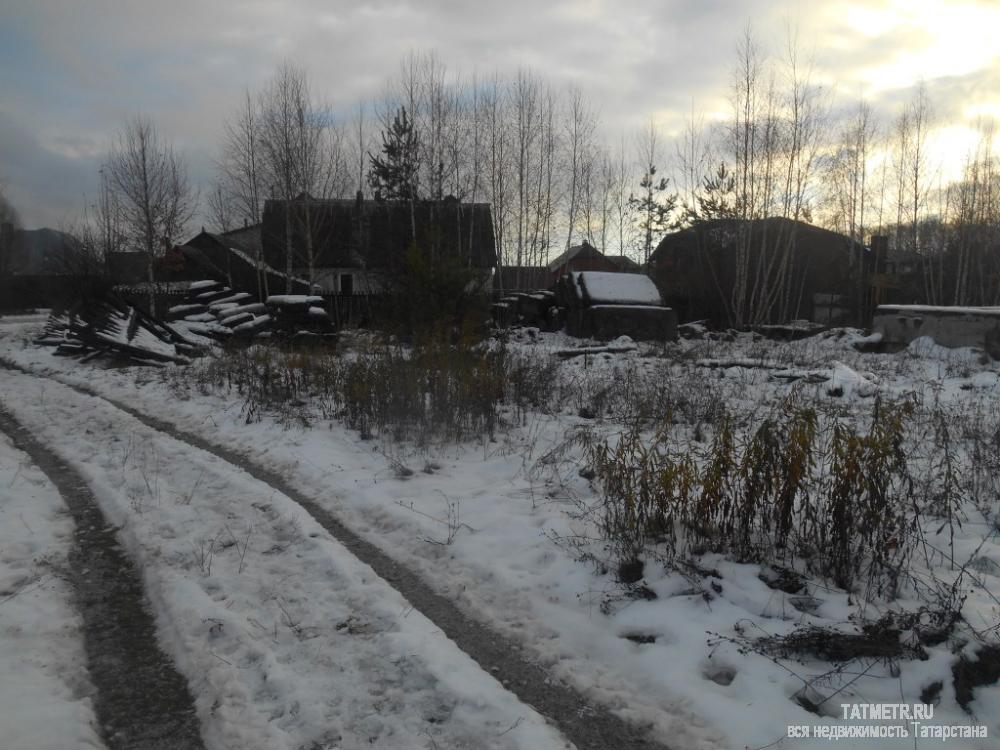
[
  {"x": 717, "y": 199},
  {"x": 393, "y": 173},
  {"x": 653, "y": 207}
]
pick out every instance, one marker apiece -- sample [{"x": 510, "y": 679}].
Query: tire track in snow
[
  {"x": 142, "y": 702},
  {"x": 588, "y": 726}
]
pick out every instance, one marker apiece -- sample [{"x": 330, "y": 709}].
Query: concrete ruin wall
[{"x": 948, "y": 326}]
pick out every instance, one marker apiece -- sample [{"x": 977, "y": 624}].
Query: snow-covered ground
[
  {"x": 498, "y": 527},
  {"x": 286, "y": 639},
  {"x": 44, "y": 688}
]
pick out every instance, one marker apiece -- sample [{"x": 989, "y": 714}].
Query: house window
[{"x": 347, "y": 283}]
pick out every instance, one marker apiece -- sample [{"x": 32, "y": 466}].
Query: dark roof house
[
  {"x": 375, "y": 235},
  {"x": 582, "y": 257},
  {"x": 624, "y": 263},
  {"x": 230, "y": 257},
  {"x": 695, "y": 268}
]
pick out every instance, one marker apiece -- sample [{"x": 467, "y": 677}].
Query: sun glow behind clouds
[
  {"x": 942, "y": 39},
  {"x": 929, "y": 40}
]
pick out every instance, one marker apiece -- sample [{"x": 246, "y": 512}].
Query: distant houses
[
  {"x": 793, "y": 270},
  {"x": 582, "y": 257},
  {"x": 345, "y": 248},
  {"x": 38, "y": 267},
  {"x": 350, "y": 246}
]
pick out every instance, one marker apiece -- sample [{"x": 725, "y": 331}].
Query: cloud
[
  {"x": 73, "y": 72},
  {"x": 45, "y": 185}
]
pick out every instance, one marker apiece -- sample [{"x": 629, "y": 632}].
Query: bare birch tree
[
  {"x": 221, "y": 210},
  {"x": 301, "y": 158},
  {"x": 241, "y": 164},
  {"x": 152, "y": 189},
  {"x": 580, "y": 124}
]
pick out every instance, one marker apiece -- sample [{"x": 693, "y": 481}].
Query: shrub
[{"x": 784, "y": 493}]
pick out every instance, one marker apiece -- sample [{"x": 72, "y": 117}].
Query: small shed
[{"x": 605, "y": 305}]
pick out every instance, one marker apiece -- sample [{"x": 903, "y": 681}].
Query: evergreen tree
[
  {"x": 653, "y": 207},
  {"x": 393, "y": 173},
  {"x": 717, "y": 198}
]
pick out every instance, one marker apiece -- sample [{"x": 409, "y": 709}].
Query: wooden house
[{"x": 350, "y": 246}]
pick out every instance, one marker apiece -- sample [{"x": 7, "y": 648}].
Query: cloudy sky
[{"x": 72, "y": 70}]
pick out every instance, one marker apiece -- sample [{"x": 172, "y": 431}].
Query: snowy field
[{"x": 287, "y": 640}]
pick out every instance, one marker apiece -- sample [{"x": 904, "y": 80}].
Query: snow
[
  {"x": 262, "y": 266},
  {"x": 872, "y": 338},
  {"x": 294, "y": 299},
  {"x": 618, "y": 288},
  {"x": 847, "y": 383},
  {"x": 516, "y": 562},
  {"x": 927, "y": 348},
  {"x": 938, "y": 309},
  {"x": 44, "y": 687},
  {"x": 204, "y": 284},
  {"x": 252, "y": 325},
  {"x": 286, "y": 639},
  {"x": 199, "y": 331},
  {"x": 117, "y": 333},
  {"x": 231, "y": 299},
  {"x": 180, "y": 310},
  {"x": 255, "y": 309},
  {"x": 205, "y": 317},
  {"x": 623, "y": 307},
  {"x": 212, "y": 293}
]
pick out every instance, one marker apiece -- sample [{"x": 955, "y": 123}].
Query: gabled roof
[
  {"x": 376, "y": 234},
  {"x": 583, "y": 251},
  {"x": 220, "y": 258},
  {"x": 723, "y": 234},
  {"x": 246, "y": 238},
  {"x": 624, "y": 263}
]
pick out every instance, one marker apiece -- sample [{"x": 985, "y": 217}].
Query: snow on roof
[
  {"x": 262, "y": 266},
  {"x": 602, "y": 287}
]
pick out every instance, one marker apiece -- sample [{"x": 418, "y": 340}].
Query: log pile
[
  {"x": 300, "y": 317},
  {"x": 114, "y": 328},
  {"x": 215, "y": 311}
]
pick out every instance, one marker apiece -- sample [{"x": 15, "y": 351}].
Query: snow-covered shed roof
[{"x": 604, "y": 288}]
